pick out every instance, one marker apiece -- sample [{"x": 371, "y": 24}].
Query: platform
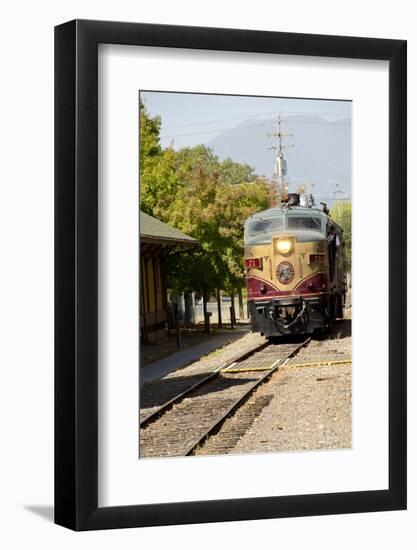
[{"x": 184, "y": 357}]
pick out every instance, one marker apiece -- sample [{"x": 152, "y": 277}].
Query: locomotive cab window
[
  {"x": 265, "y": 226},
  {"x": 305, "y": 222}
]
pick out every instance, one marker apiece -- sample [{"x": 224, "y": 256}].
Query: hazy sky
[{"x": 190, "y": 119}]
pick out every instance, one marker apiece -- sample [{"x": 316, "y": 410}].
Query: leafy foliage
[
  {"x": 191, "y": 189},
  {"x": 235, "y": 173},
  {"x": 341, "y": 212}
]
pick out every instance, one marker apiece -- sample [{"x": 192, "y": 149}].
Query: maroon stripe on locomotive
[{"x": 314, "y": 285}]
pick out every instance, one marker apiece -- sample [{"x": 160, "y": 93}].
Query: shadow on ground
[
  {"x": 158, "y": 392},
  {"x": 342, "y": 328}
]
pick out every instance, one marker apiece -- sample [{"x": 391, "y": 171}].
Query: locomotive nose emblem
[{"x": 285, "y": 273}]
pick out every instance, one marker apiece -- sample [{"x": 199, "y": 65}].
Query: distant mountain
[{"x": 321, "y": 153}]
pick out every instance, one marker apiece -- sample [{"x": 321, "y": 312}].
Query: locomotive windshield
[
  {"x": 291, "y": 221},
  {"x": 305, "y": 222},
  {"x": 265, "y": 226}
]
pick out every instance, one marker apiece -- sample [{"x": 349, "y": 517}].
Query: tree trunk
[
  {"x": 155, "y": 295},
  {"x": 219, "y": 309},
  {"x": 177, "y": 325},
  {"x": 241, "y": 310},
  {"x": 204, "y": 304},
  {"x": 188, "y": 313},
  {"x": 206, "y": 319},
  {"x": 144, "y": 332},
  {"x": 232, "y": 310}
]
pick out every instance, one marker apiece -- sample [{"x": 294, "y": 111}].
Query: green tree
[
  {"x": 234, "y": 204},
  {"x": 149, "y": 156},
  {"x": 192, "y": 190},
  {"x": 149, "y": 146},
  {"x": 341, "y": 212},
  {"x": 159, "y": 183},
  {"x": 235, "y": 173}
]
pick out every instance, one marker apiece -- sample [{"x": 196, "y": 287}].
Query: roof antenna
[{"x": 325, "y": 209}]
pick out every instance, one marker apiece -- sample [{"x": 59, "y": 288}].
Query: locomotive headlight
[{"x": 284, "y": 246}]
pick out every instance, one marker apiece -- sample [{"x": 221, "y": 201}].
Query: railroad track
[
  {"x": 183, "y": 424},
  {"x": 179, "y": 387}
]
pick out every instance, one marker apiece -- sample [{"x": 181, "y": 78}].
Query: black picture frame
[{"x": 76, "y": 272}]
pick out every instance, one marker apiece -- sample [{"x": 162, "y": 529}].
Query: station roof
[{"x": 155, "y": 231}]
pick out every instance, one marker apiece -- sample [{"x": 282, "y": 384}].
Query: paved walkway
[{"x": 184, "y": 357}]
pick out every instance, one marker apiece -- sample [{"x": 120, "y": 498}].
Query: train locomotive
[{"x": 294, "y": 262}]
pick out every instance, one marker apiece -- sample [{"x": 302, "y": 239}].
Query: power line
[
  {"x": 218, "y": 120},
  {"x": 218, "y": 130},
  {"x": 323, "y": 179},
  {"x": 243, "y": 117},
  {"x": 349, "y": 199},
  {"x": 345, "y": 123},
  {"x": 264, "y": 123}
]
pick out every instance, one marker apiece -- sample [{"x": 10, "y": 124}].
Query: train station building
[{"x": 157, "y": 241}]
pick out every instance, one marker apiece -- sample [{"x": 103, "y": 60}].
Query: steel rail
[
  {"x": 168, "y": 404},
  {"x": 219, "y": 421}
]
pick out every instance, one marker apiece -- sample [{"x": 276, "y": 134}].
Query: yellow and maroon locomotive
[{"x": 294, "y": 269}]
